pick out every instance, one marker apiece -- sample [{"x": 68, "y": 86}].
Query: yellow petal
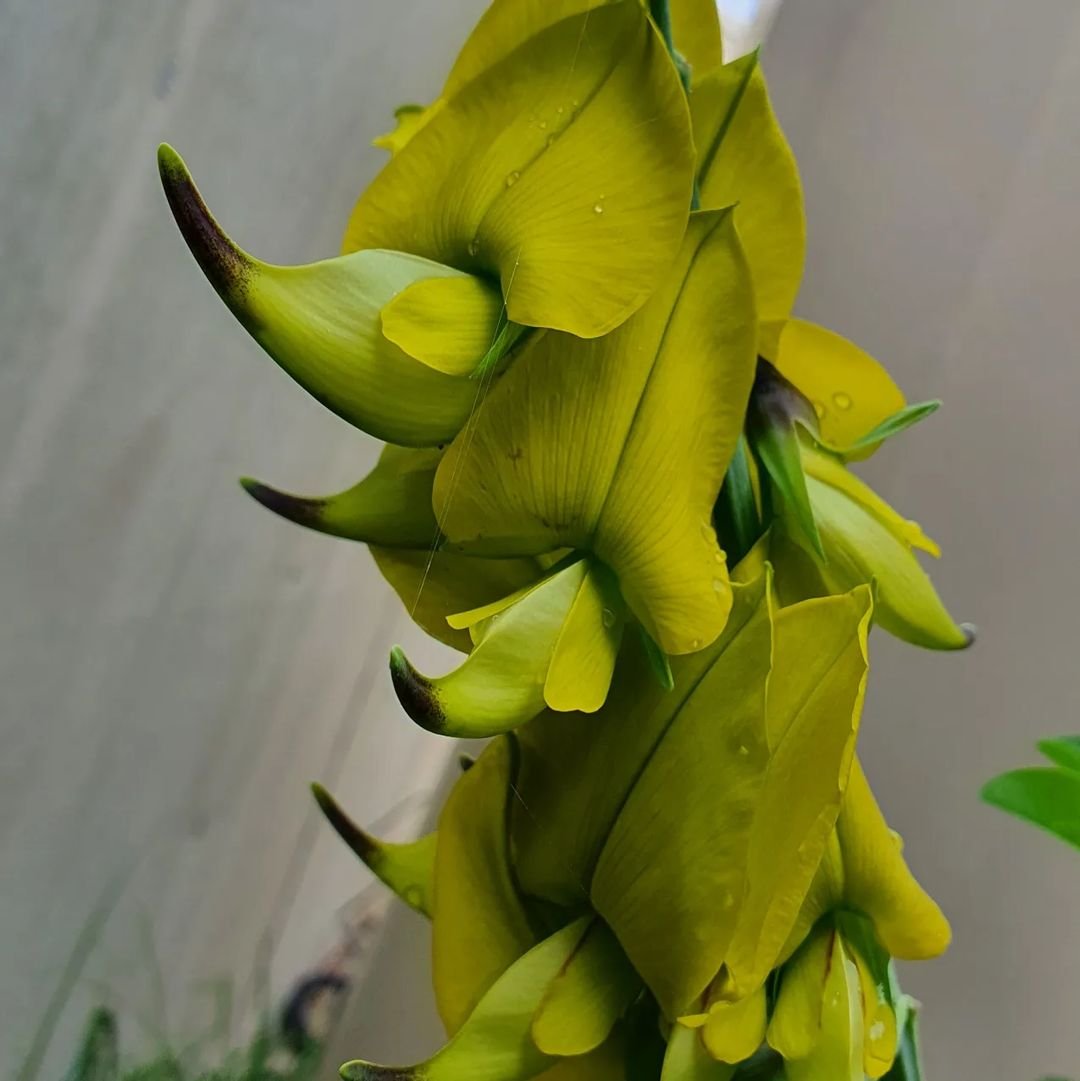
[
  {"x": 585, "y": 1001},
  {"x": 320, "y": 323},
  {"x": 878, "y": 883},
  {"x": 493, "y": 1044},
  {"x": 508, "y": 677},
  {"x": 600, "y": 466},
  {"x": 671, "y": 879},
  {"x": 850, "y": 391},
  {"x": 687, "y": 1059},
  {"x": 433, "y": 584},
  {"x": 859, "y": 547},
  {"x": 817, "y": 1024},
  {"x": 565, "y": 170},
  {"x": 505, "y": 26},
  {"x": 448, "y": 324},
  {"x": 745, "y": 160},
  {"x": 735, "y": 1030},
  {"x": 480, "y": 927},
  {"x": 583, "y": 661},
  {"x": 815, "y": 698},
  {"x": 575, "y": 777},
  {"x": 696, "y": 28},
  {"x": 391, "y": 506},
  {"x": 830, "y": 470},
  {"x": 407, "y": 869},
  {"x": 795, "y": 1026}
]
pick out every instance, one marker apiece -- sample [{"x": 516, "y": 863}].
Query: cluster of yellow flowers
[{"x": 616, "y": 478}]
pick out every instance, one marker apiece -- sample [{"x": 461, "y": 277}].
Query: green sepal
[
  {"x": 736, "y": 513},
  {"x": 776, "y": 413},
  {"x": 659, "y": 662},
  {"x": 899, "y": 422},
  {"x": 407, "y": 869},
  {"x": 908, "y": 1063}
]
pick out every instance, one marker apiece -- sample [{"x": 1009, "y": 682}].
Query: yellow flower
[
  {"x": 835, "y": 1017},
  {"x": 822, "y": 403}
]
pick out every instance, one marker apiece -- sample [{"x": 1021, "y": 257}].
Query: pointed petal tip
[
  {"x": 299, "y": 509},
  {"x": 416, "y": 693},
  {"x": 225, "y": 265},
  {"x": 363, "y": 845}
]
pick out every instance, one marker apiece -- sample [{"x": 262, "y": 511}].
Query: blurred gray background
[{"x": 176, "y": 665}]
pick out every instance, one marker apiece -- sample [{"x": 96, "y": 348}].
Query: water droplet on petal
[
  {"x": 708, "y": 534},
  {"x": 719, "y": 585},
  {"x": 877, "y": 1030},
  {"x": 729, "y": 899},
  {"x": 719, "y": 557},
  {"x": 542, "y": 125},
  {"x": 474, "y": 246},
  {"x": 560, "y": 110},
  {"x": 819, "y": 409},
  {"x": 608, "y": 616},
  {"x": 512, "y": 178},
  {"x": 841, "y": 400},
  {"x": 551, "y": 139},
  {"x": 696, "y": 644},
  {"x": 743, "y": 750},
  {"x": 598, "y": 209}
]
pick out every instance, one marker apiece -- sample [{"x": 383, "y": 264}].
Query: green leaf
[
  {"x": 1048, "y": 798},
  {"x": 1065, "y": 751},
  {"x": 407, "y": 869},
  {"x": 98, "y": 1058}
]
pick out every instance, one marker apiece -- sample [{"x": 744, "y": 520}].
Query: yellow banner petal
[
  {"x": 565, "y": 170},
  {"x": 695, "y": 26},
  {"x": 600, "y": 466},
  {"x": 744, "y": 159}
]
